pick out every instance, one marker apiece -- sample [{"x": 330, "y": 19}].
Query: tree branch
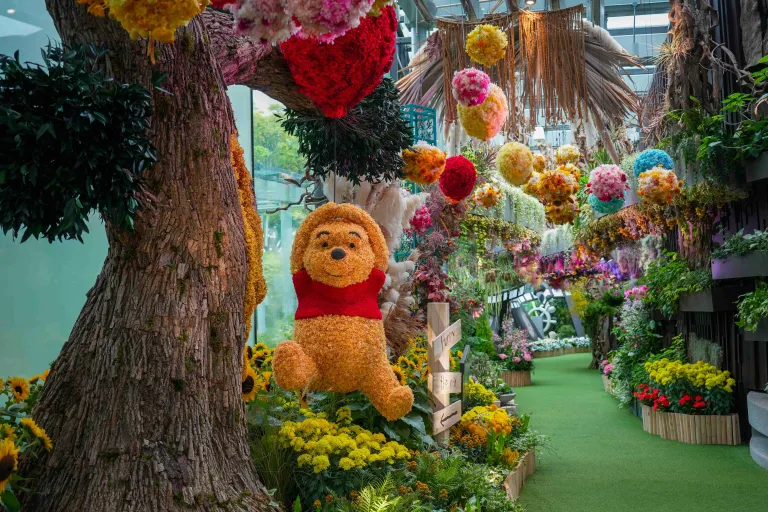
[{"x": 247, "y": 62}]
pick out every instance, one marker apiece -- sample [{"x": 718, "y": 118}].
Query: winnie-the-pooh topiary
[{"x": 338, "y": 262}]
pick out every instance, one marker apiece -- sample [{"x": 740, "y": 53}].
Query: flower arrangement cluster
[
  {"x": 515, "y": 350},
  {"x": 421, "y": 221},
  {"x": 562, "y": 211},
  {"x": 257, "y": 371},
  {"x": 263, "y": 20},
  {"x": 157, "y": 20},
  {"x": 458, "y": 179},
  {"x": 636, "y": 292},
  {"x": 488, "y": 195},
  {"x": 571, "y": 169},
  {"x": 567, "y": 154},
  {"x": 555, "y": 185},
  {"x": 424, "y": 163},
  {"x": 18, "y": 431},
  {"x": 659, "y": 186},
  {"x": 477, "y": 395},
  {"x": 545, "y": 344},
  {"x": 486, "y": 44},
  {"x": 470, "y": 87},
  {"x": 337, "y": 76},
  {"x": 526, "y": 259},
  {"x": 686, "y": 388},
  {"x": 514, "y": 162},
  {"x": 484, "y": 434},
  {"x": 651, "y": 159},
  {"x": 484, "y": 121},
  {"x": 599, "y": 237},
  {"x": 539, "y": 162},
  {"x": 321, "y": 444},
  {"x": 607, "y": 182},
  {"x": 606, "y": 367}
]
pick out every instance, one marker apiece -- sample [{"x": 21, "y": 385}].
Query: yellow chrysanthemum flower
[
  {"x": 19, "y": 387},
  {"x": 9, "y": 462},
  {"x": 38, "y": 432}
]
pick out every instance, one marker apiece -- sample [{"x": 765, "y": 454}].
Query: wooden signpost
[{"x": 442, "y": 381}]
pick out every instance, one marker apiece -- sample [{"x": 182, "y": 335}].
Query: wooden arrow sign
[
  {"x": 445, "y": 382},
  {"x": 447, "y": 339},
  {"x": 444, "y": 419}
]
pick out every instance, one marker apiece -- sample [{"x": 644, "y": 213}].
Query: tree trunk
[{"x": 143, "y": 403}]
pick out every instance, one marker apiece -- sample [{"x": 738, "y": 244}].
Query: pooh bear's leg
[
  {"x": 386, "y": 394},
  {"x": 292, "y": 368}
]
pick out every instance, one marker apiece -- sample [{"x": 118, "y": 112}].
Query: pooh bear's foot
[
  {"x": 398, "y": 403},
  {"x": 292, "y": 368}
]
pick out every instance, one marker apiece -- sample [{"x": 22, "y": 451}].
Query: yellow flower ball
[
  {"x": 567, "y": 154},
  {"x": 486, "y": 119},
  {"x": 487, "y": 195},
  {"x": 659, "y": 186},
  {"x": 158, "y": 18},
  {"x": 539, "y": 162},
  {"x": 486, "y": 44},
  {"x": 515, "y": 163},
  {"x": 423, "y": 163}
]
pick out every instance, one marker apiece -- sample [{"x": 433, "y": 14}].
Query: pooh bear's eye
[{"x": 351, "y": 246}]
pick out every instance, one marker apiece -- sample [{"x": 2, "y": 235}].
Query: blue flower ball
[
  {"x": 652, "y": 158},
  {"x": 605, "y": 207}
]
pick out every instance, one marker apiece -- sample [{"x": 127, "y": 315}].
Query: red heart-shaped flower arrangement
[{"x": 337, "y": 76}]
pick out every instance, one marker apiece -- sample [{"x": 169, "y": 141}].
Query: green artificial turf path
[{"x": 600, "y": 460}]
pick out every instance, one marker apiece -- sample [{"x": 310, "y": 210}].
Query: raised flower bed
[
  {"x": 753, "y": 264},
  {"x": 757, "y": 406},
  {"x": 515, "y": 480},
  {"x": 516, "y": 378},
  {"x": 516, "y": 355},
  {"x": 689, "y": 403},
  {"x": 562, "y": 352}
]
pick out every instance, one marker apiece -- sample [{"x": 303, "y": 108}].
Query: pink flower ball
[
  {"x": 326, "y": 20},
  {"x": 470, "y": 86},
  {"x": 607, "y": 182}
]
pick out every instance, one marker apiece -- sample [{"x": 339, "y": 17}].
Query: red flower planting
[
  {"x": 458, "y": 178},
  {"x": 338, "y": 75}
]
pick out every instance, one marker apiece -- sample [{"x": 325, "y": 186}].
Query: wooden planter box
[
  {"x": 515, "y": 379},
  {"x": 692, "y": 429},
  {"x": 561, "y": 352},
  {"x": 754, "y": 264},
  {"x": 514, "y": 482},
  {"x": 757, "y": 169},
  {"x": 721, "y": 298},
  {"x": 757, "y": 407},
  {"x": 606, "y": 383},
  {"x": 761, "y": 334}
]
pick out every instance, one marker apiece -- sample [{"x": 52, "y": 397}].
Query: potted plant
[
  {"x": 757, "y": 408},
  {"x": 516, "y": 356},
  {"x": 606, "y": 368}
]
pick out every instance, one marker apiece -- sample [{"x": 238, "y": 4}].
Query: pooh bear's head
[{"x": 339, "y": 245}]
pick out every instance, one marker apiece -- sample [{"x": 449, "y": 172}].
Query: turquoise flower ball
[
  {"x": 605, "y": 207},
  {"x": 652, "y": 158}
]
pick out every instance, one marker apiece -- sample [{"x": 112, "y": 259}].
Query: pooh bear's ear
[{"x": 332, "y": 211}]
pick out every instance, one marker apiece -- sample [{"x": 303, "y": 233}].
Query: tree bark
[{"x": 143, "y": 403}]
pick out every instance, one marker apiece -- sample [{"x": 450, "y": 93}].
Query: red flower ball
[
  {"x": 458, "y": 178},
  {"x": 220, "y": 4},
  {"x": 337, "y": 76}
]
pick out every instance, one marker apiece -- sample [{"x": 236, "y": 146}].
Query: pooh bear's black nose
[{"x": 338, "y": 253}]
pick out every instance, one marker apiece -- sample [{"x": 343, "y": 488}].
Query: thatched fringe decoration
[{"x": 552, "y": 65}]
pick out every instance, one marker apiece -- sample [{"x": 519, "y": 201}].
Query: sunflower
[
  {"x": 38, "y": 432},
  {"x": 267, "y": 376},
  {"x": 8, "y": 432},
  {"x": 400, "y": 374},
  {"x": 249, "y": 384},
  {"x": 247, "y": 354},
  {"x": 19, "y": 387},
  {"x": 9, "y": 462}
]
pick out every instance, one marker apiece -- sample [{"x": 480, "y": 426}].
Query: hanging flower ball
[
  {"x": 470, "y": 86},
  {"x": 423, "y": 163},
  {"x": 485, "y": 120},
  {"x": 421, "y": 221},
  {"x": 658, "y": 186},
  {"x": 607, "y": 182},
  {"x": 487, "y": 195},
  {"x": 325, "y": 20},
  {"x": 337, "y": 76},
  {"x": 486, "y": 44},
  {"x": 267, "y": 21},
  {"x": 562, "y": 210},
  {"x": 515, "y": 163},
  {"x": 652, "y": 158},
  {"x": 567, "y": 154},
  {"x": 532, "y": 187},
  {"x": 556, "y": 186},
  {"x": 571, "y": 169},
  {"x": 605, "y": 207},
  {"x": 539, "y": 162},
  {"x": 458, "y": 179}
]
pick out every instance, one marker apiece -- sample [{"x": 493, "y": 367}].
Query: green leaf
[
  {"x": 9, "y": 500},
  {"x": 416, "y": 422}
]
